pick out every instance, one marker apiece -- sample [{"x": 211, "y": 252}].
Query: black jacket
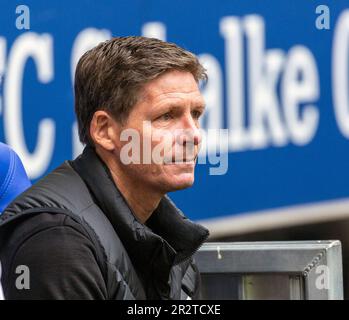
[{"x": 80, "y": 240}]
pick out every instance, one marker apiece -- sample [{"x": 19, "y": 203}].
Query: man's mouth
[{"x": 179, "y": 160}]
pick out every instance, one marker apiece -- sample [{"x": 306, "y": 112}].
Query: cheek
[{"x": 162, "y": 144}]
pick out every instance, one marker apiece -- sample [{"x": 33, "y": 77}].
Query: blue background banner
[{"x": 278, "y": 81}]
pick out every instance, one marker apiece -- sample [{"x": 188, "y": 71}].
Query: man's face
[{"x": 167, "y": 118}]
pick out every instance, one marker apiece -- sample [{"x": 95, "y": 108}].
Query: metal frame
[{"x": 299, "y": 259}]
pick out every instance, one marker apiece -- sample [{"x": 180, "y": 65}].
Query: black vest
[{"x": 138, "y": 261}]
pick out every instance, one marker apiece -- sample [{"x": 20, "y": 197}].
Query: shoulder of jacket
[{"x": 64, "y": 193}]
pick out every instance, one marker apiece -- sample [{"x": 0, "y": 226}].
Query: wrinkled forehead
[{"x": 172, "y": 85}]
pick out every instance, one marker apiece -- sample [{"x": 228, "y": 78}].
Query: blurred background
[{"x": 278, "y": 83}]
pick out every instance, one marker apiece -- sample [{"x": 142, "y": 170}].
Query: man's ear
[{"x": 104, "y": 130}]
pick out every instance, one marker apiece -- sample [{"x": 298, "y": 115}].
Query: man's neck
[{"x": 142, "y": 201}]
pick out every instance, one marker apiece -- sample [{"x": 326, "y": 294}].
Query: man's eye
[
  {"x": 166, "y": 116},
  {"x": 196, "y": 114}
]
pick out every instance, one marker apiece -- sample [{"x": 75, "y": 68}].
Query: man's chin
[{"x": 180, "y": 184}]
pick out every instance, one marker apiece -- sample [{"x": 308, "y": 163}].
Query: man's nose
[{"x": 190, "y": 132}]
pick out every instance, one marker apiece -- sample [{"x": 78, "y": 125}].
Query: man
[{"x": 101, "y": 226}]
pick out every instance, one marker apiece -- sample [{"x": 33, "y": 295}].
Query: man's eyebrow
[
  {"x": 201, "y": 105},
  {"x": 174, "y": 106}
]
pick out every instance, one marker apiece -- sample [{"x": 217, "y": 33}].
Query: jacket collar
[{"x": 167, "y": 238}]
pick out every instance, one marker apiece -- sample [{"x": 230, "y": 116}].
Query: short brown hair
[{"x": 110, "y": 76}]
